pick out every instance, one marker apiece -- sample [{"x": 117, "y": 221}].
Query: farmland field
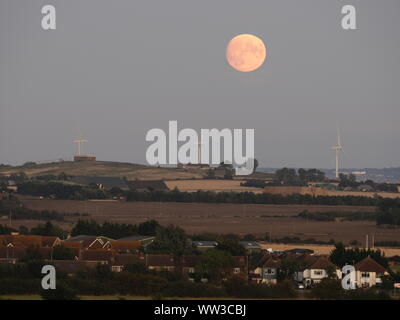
[
  {"x": 318, "y": 248},
  {"x": 210, "y": 185},
  {"x": 279, "y": 220}
]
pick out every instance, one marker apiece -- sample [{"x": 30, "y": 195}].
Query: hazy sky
[{"x": 115, "y": 69}]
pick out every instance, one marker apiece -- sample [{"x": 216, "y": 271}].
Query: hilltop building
[
  {"x": 80, "y": 156},
  {"x": 84, "y": 158}
]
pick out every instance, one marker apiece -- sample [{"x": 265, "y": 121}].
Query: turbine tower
[
  {"x": 80, "y": 143},
  {"x": 338, "y": 148}
]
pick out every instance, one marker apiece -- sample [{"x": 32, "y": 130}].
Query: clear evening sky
[{"x": 115, "y": 69}]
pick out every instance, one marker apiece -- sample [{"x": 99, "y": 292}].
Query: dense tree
[
  {"x": 311, "y": 175},
  {"x": 114, "y": 230},
  {"x": 287, "y": 176},
  {"x": 348, "y": 180},
  {"x": 232, "y": 246},
  {"x": 342, "y": 256},
  {"x": 62, "y": 253},
  {"x": 248, "y": 197},
  {"x": 255, "y": 165},
  {"x": 32, "y": 254},
  {"x": 215, "y": 265},
  {"x": 170, "y": 239},
  {"x": 50, "y": 230},
  {"x": 288, "y": 268},
  {"x": 210, "y": 174},
  {"x": 6, "y": 230},
  {"x": 60, "y": 190},
  {"x": 148, "y": 228},
  {"x": 327, "y": 289},
  {"x": 62, "y": 292},
  {"x": 229, "y": 173}
]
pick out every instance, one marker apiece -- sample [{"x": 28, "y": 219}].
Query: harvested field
[
  {"x": 210, "y": 185},
  {"x": 319, "y": 249},
  {"x": 280, "y": 220}
]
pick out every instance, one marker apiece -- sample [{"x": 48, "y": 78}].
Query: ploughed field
[{"x": 279, "y": 220}]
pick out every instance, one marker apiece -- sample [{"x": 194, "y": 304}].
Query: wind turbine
[
  {"x": 338, "y": 148},
  {"x": 80, "y": 143}
]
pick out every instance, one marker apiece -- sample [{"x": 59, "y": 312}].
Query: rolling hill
[{"x": 104, "y": 169}]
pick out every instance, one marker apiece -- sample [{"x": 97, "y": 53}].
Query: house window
[
  {"x": 269, "y": 271},
  {"x": 191, "y": 270},
  {"x": 236, "y": 270},
  {"x": 116, "y": 268},
  {"x": 365, "y": 275},
  {"x": 318, "y": 272}
]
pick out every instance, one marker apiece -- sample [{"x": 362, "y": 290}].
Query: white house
[
  {"x": 317, "y": 271},
  {"x": 369, "y": 273}
]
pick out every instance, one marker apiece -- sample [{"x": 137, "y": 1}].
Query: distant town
[{"x": 117, "y": 229}]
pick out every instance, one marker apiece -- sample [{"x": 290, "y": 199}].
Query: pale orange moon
[{"x": 246, "y": 52}]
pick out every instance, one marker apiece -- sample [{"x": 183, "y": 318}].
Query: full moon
[{"x": 246, "y": 52}]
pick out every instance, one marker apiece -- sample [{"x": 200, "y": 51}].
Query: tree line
[
  {"x": 60, "y": 190},
  {"x": 247, "y": 198},
  {"x": 16, "y": 211}
]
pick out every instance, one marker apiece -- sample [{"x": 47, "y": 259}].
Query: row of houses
[
  {"x": 265, "y": 266},
  {"x": 312, "y": 269},
  {"x": 91, "y": 251},
  {"x": 83, "y": 248}
]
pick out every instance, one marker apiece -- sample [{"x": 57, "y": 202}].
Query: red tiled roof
[
  {"x": 160, "y": 260},
  {"x": 307, "y": 260},
  {"x": 132, "y": 246},
  {"x": 72, "y": 244},
  {"x": 322, "y": 263},
  {"x": 31, "y": 240},
  {"x": 49, "y": 241},
  {"x": 18, "y": 252},
  {"x": 272, "y": 263},
  {"x": 369, "y": 265},
  {"x": 12, "y": 252},
  {"x": 127, "y": 259},
  {"x": 98, "y": 255}
]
